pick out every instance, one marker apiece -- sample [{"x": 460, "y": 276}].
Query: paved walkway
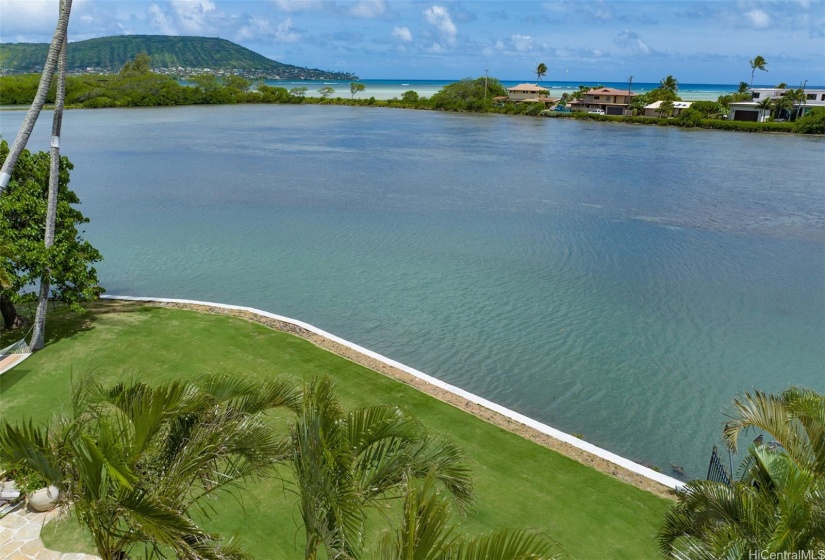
[{"x": 20, "y": 538}]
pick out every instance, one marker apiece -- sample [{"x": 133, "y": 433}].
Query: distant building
[
  {"x": 530, "y": 93},
  {"x": 652, "y": 110},
  {"x": 609, "y": 100},
  {"x": 752, "y": 111}
]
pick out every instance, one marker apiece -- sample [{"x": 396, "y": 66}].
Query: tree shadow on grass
[{"x": 62, "y": 322}]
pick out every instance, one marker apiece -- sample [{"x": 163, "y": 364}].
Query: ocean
[
  {"x": 618, "y": 281},
  {"x": 389, "y": 89}
]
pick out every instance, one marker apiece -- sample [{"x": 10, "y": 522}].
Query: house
[
  {"x": 609, "y": 100},
  {"x": 754, "y": 111},
  {"x": 652, "y": 110},
  {"x": 530, "y": 93}
]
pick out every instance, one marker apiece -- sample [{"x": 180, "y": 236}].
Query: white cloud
[
  {"x": 402, "y": 33},
  {"x": 632, "y": 41},
  {"x": 29, "y": 15},
  {"x": 521, "y": 43},
  {"x": 439, "y": 17},
  {"x": 285, "y": 33},
  {"x": 299, "y": 5},
  {"x": 758, "y": 18},
  {"x": 369, "y": 9},
  {"x": 160, "y": 21},
  {"x": 494, "y": 49},
  {"x": 192, "y": 15},
  {"x": 256, "y": 28}
]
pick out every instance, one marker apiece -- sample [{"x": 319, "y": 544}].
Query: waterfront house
[
  {"x": 530, "y": 93},
  {"x": 752, "y": 111},
  {"x": 609, "y": 100},
  {"x": 652, "y": 110}
]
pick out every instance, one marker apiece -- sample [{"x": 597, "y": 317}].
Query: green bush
[{"x": 811, "y": 123}]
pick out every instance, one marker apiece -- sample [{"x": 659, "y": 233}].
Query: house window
[
  {"x": 811, "y": 96},
  {"x": 823, "y": 97},
  {"x": 756, "y": 96},
  {"x": 595, "y": 97}
]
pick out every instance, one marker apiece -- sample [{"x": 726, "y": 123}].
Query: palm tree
[
  {"x": 669, "y": 83},
  {"x": 136, "y": 461},
  {"x": 777, "y": 506},
  {"x": 796, "y": 98},
  {"x": 782, "y": 103},
  {"x": 426, "y": 533},
  {"x": 39, "y": 332},
  {"x": 541, "y": 70},
  {"x": 766, "y": 105},
  {"x": 758, "y": 63},
  {"x": 344, "y": 463},
  {"x": 22, "y": 138}
]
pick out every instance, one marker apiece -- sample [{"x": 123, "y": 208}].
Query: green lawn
[{"x": 518, "y": 483}]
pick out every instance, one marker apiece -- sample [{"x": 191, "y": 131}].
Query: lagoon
[{"x": 623, "y": 282}]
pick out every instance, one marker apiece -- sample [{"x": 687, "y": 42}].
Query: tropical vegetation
[
  {"x": 68, "y": 263},
  {"x": 777, "y": 505},
  {"x": 541, "y": 71},
  {"x": 135, "y": 462},
  {"x": 109, "y": 54},
  {"x": 515, "y": 483},
  {"x": 758, "y": 63}
]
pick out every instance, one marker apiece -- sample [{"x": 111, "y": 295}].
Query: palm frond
[{"x": 28, "y": 445}]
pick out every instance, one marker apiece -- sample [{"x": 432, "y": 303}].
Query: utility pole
[
  {"x": 486, "y": 72},
  {"x": 629, "y": 85}
]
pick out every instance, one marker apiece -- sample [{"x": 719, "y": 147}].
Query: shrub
[{"x": 811, "y": 123}]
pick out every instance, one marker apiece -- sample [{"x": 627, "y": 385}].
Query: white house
[
  {"x": 652, "y": 110},
  {"x": 752, "y": 111}
]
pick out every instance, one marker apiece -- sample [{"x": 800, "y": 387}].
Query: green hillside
[{"x": 108, "y": 54}]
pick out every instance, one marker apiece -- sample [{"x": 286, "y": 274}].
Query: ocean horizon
[{"x": 384, "y": 89}]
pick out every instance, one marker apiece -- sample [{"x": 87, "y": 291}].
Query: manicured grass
[{"x": 518, "y": 483}]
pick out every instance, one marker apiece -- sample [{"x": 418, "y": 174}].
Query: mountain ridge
[{"x": 181, "y": 55}]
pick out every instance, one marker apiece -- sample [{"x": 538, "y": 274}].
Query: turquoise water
[
  {"x": 388, "y": 89},
  {"x": 619, "y": 281}
]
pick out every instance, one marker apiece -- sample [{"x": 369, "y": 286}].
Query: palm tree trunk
[
  {"x": 26, "y": 128},
  {"x": 39, "y": 334}
]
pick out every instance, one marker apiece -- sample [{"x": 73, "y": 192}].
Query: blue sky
[{"x": 578, "y": 40}]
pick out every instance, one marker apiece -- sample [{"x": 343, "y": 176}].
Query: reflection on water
[{"x": 620, "y": 281}]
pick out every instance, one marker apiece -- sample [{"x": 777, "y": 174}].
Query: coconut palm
[
  {"x": 796, "y": 98},
  {"x": 22, "y": 138},
  {"x": 426, "y": 533},
  {"x": 782, "y": 103},
  {"x": 344, "y": 463},
  {"x": 541, "y": 70},
  {"x": 136, "y": 461},
  {"x": 39, "y": 332},
  {"x": 669, "y": 83},
  {"x": 777, "y": 506},
  {"x": 766, "y": 104},
  {"x": 758, "y": 63}
]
